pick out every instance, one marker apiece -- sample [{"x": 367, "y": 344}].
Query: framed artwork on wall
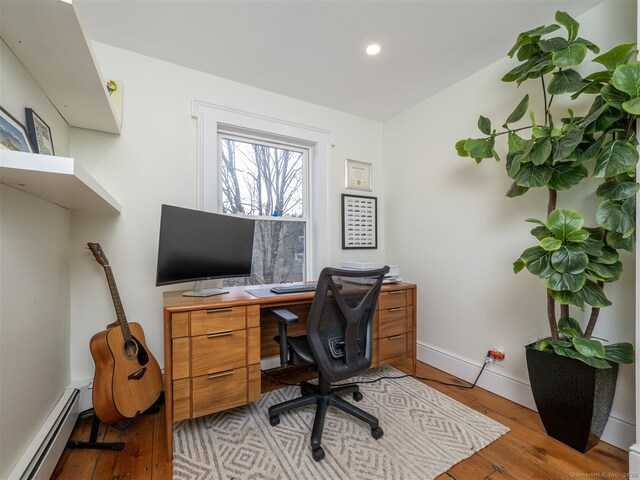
[
  {"x": 359, "y": 222},
  {"x": 357, "y": 175},
  {"x": 13, "y": 135},
  {"x": 39, "y": 133}
]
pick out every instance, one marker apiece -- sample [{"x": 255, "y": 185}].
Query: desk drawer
[
  {"x": 392, "y": 299},
  {"x": 390, "y": 347},
  {"x": 217, "y": 320},
  {"x": 219, "y": 391},
  {"x": 218, "y": 351},
  {"x": 393, "y": 321}
]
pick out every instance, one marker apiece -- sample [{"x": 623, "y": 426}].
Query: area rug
[{"x": 425, "y": 434}]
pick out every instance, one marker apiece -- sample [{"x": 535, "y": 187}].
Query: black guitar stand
[{"x": 93, "y": 443}]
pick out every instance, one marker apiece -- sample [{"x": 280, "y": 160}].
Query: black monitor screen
[{"x": 196, "y": 245}]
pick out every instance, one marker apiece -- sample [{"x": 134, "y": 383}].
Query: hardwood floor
[{"x": 525, "y": 453}]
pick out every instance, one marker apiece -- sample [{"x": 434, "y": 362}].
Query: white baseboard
[
  {"x": 41, "y": 456},
  {"x": 619, "y": 431},
  {"x": 634, "y": 461}
]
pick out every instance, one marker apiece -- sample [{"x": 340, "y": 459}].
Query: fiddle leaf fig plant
[{"x": 573, "y": 262}]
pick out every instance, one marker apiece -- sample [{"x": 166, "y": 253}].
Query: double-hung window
[{"x": 268, "y": 181}]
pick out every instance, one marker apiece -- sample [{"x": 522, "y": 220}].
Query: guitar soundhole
[{"x": 130, "y": 348}]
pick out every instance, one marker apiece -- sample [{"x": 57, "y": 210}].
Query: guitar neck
[{"x": 117, "y": 303}]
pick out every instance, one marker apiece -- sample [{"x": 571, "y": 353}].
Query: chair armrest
[{"x": 285, "y": 317}]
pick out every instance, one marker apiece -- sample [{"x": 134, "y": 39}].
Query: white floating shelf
[
  {"x": 59, "y": 180},
  {"x": 48, "y": 39}
]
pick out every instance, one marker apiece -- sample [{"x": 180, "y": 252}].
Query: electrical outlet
[{"x": 496, "y": 355}]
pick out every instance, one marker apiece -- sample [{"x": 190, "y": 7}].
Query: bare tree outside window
[{"x": 266, "y": 181}]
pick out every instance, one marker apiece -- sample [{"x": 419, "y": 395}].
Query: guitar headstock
[{"x": 97, "y": 252}]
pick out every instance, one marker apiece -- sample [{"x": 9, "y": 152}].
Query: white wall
[
  {"x": 34, "y": 285},
  {"x": 456, "y": 234},
  {"x": 154, "y": 162}
]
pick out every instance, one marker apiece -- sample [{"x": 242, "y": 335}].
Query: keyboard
[{"x": 297, "y": 288}]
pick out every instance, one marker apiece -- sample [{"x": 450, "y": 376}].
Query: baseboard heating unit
[{"x": 40, "y": 458}]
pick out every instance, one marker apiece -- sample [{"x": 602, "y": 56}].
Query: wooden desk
[{"x": 213, "y": 345}]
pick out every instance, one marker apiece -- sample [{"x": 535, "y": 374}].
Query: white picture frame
[{"x": 357, "y": 175}]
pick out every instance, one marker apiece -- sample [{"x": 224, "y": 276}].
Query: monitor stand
[{"x": 198, "y": 291}]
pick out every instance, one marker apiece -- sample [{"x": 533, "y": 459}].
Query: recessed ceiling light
[{"x": 373, "y": 49}]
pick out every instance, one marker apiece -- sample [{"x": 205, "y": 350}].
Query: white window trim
[{"x": 211, "y": 118}]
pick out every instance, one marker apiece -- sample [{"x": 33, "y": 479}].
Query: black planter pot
[{"x": 573, "y": 399}]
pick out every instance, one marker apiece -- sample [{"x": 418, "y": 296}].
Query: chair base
[{"x": 323, "y": 395}]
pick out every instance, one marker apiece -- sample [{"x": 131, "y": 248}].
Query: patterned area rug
[{"x": 425, "y": 434}]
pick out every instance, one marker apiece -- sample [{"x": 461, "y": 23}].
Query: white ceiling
[{"x": 313, "y": 50}]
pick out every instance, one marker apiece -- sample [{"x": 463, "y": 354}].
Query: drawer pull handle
[
  {"x": 396, "y": 336},
  {"x": 211, "y": 376},
  {"x": 397, "y": 309},
  {"x": 394, "y": 292},
  {"x": 221, "y": 334},
  {"x": 218, "y": 310}
]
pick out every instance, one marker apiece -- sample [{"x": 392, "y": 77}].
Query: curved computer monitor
[{"x": 196, "y": 246}]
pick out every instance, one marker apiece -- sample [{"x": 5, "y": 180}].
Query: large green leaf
[
  {"x": 607, "y": 120},
  {"x": 617, "y": 241},
  {"x": 484, "y": 124},
  {"x": 531, "y": 36},
  {"x": 562, "y": 222},
  {"x": 567, "y": 21},
  {"x": 516, "y": 143},
  {"x": 615, "y": 158},
  {"x": 605, "y": 273},
  {"x": 566, "y": 81},
  {"x": 590, "y": 153},
  {"x": 627, "y": 78},
  {"x": 516, "y": 190},
  {"x": 519, "y": 71},
  {"x": 632, "y": 106},
  {"x": 553, "y": 44},
  {"x": 614, "y": 190},
  {"x": 532, "y": 176},
  {"x": 613, "y": 96},
  {"x": 567, "y": 297},
  {"x": 565, "y": 281},
  {"x": 571, "y": 56},
  {"x": 540, "y": 232},
  {"x": 518, "y": 265},
  {"x": 578, "y": 236},
  {"x": 588, "y": 347},
  {"x": 537, "y": 260},
  {"x": 594, "y": 295},
  {"x": 568, "y": 143},
  {"x": 590, "y": 45},
  {"x": 551, "y": 244},
  {"x": 565, "y": 176},
  {"x": 612, "y": 216},
  {"x": 541, "y": 151},
  {"x": 618, "y": 55},
  {"x": 591, "y": 246},
  {"x": 593, "y": 361},
  {"x": 569, "y": 259},
  {"x": 619, "y": 353},
  {"x": 519, "y": 111},
  {"x": 609, "y": 256}
]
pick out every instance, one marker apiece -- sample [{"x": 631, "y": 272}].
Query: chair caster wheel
[
  {"x": 274, "y": 420},
  {"x": 317, "y": 454},
  {"x": 377, "y": 433},
  {"x": 357, "y": 396}
]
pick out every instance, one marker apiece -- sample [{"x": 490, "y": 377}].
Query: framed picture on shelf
[
  {"x": 357, "y": 175},
  {"x": 13, "y": 135},
  {"x": 359, "y": 221},
  {"x": 39, "y": 133}
]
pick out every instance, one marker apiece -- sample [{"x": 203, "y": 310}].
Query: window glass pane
[
  {"x": 261, "y": 180},
  {"x": 267, "y": 181},
  {"x": 278, "y": 254}
]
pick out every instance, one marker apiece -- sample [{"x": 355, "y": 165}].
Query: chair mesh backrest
[{"x": 346, "y": 314}]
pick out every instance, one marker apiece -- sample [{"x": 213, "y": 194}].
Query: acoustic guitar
[{"x": 127, "y": 379}]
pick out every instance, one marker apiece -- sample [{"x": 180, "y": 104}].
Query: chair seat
[{"x": 301, "y": 348}]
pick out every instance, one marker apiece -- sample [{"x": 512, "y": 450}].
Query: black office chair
[{"x": 338, "y": 344}]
